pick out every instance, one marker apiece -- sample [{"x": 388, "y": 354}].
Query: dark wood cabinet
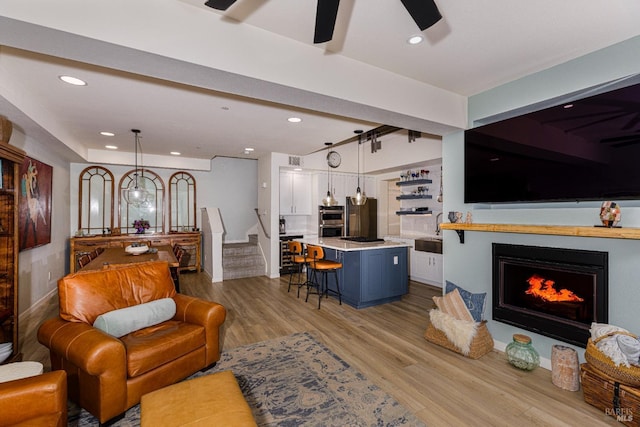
[{"x": 10, "y": 159}]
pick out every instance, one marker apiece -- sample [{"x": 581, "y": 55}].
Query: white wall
[
  {"x": 37, "y": 264},
  {"x": 469, "y": 264},
  {"x": 230, "y": 185}
]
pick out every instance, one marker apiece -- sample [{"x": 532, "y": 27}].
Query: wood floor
[{"x": 386, "y": 344}]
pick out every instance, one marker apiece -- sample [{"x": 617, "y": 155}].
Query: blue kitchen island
[{"x": 372, "y": 273}]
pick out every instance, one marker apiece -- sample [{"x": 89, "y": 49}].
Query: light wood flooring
[{"x": 386, "y": 344}]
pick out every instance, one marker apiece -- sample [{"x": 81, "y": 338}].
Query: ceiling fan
[{"x": 424, "y": 12}]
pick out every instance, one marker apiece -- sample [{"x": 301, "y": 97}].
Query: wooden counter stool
[
  {"x": 299, "y": 260},
  {"x": 320, "y": 265}
]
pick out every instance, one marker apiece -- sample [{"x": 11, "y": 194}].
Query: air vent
[{"x": 295, "y": 161}]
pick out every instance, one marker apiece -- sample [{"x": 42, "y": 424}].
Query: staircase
[{"x": 241, "y": 260}]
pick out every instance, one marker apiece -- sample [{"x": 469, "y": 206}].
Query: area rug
[{"x": 297, "y": 381}]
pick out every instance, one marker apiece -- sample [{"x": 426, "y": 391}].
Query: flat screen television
[{"x": 586, "y": 150}]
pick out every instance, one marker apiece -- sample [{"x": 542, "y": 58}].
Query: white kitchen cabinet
[
  {"x": 295, "y": 193},
  {"x": 425, "y": 267},
  {"x": 434, "y": 269}
]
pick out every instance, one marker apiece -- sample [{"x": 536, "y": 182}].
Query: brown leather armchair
[
  {"x": 35, "y": 401},
  {"x": 108, "y": 375}
]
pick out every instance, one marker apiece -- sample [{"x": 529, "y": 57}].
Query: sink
[{"x": 429, "y": 244}]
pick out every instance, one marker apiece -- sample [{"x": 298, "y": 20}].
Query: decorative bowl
[{"x": 136, "y": 250}]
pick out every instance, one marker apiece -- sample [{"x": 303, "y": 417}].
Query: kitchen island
[{"x": 372, "y": 273}]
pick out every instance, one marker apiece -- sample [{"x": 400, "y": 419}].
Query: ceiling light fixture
[
  {"x": 72, "y": 80},
  {"x": 111, "y": 147},
  {"x": 175, "y": 153},
  {"x": 360, "y": 198},
  {"x": 416, "y": 39},
  {"x": 329, "y": 200},
  {"x": 137, "y": 195},
  {"x": 294, "y": 119},
  {"x": 107, "y": 133}
]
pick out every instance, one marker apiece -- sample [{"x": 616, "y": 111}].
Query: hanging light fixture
[
  {"x": 360, "y": 198},
  {"x": 136, "y": 195},
  {"x": 329, "y": 200}
]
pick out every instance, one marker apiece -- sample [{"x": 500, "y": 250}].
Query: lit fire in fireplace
[{"x": 544, "y": 289}]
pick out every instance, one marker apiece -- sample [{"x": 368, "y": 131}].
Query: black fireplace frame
[{"x": 551, "y": 326}]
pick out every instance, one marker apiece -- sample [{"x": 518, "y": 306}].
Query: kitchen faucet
[{"x": 438, "y": 223}]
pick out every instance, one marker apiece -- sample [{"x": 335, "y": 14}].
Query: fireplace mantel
[{"x": 557, "y": 230}]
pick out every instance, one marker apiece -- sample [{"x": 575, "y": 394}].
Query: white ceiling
[{"x": 209, "y": 83}]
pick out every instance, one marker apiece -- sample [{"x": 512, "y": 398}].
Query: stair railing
[{"x": 264, "y": 230}]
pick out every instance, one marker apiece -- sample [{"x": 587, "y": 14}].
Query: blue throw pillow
[
  {"x": 474, "y": 302},
  {"x": 126, "y": 320}
]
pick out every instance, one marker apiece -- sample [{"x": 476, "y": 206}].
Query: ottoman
[{"x": 204, "y": 401}]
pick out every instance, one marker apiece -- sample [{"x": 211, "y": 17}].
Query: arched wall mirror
[
  {"x": 182, "y": 202},
  {"x": 150, "y": 213},
  {"x": 95, "y": 201}
]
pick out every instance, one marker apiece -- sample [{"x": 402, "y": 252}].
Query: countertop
[{"x": 345, "y": 245}]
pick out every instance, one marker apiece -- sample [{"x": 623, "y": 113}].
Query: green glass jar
[{"x": 521, "y": 353}]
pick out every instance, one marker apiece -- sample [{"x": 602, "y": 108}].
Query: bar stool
[
  {"x": 320, "y": 265},
  {"x": 299, "y": 260}
]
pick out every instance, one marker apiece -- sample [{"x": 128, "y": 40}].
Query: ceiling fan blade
[
  {"x": 220, "y": 4},
  {"x": 326, "y": 14},
  {"x": 424, "y": 12}
]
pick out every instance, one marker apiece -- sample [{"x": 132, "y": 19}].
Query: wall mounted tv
[{"x": 588, "y": 149}]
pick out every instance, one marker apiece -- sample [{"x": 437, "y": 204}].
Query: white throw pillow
[{"x": 126, "y": 320}]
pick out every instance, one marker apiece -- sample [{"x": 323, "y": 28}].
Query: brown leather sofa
[
  {"x": 35, "y": 401},
  {"x": 108, "y": 375}
]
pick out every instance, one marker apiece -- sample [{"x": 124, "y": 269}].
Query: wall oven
[{"x": 330, "y": 221}]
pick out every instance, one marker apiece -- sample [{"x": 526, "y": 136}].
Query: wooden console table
[
  {"x": 190, "y": 242},
  {"x": 557, "y": 230}
]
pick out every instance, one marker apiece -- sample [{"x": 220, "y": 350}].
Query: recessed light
[
  {"x": 294, "y": 119},
  {"x": 248, "y": 149},
  {"x": 416, "y": 39},
  {"x": 175, "y": 153},
  {"x": 73, "y": 80},
  {"x": 107, "y": 134},
  {"x": 111, "y": 147}
]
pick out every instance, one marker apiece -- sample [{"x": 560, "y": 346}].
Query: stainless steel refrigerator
[{"x": 362, "y": 221}]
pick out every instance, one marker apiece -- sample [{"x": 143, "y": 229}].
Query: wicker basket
[
  {"x": 614, "y": 399},
  {"x": 601, "y": 362},
  {"x": 482, "y": 343}
]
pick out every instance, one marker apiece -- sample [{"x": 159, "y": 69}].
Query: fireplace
[{"x": 551, "y": 291}]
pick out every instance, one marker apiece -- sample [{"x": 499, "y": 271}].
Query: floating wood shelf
[
  {"x": 414, "y": 212},
  {"x": 556, "y": 230},
  {"x": 413, "y": 182},
  {"x": 414, "y": 196}
]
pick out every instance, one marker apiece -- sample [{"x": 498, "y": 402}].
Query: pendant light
[
  {"x": 360, "y": 198},
  {"x": 329, "y": 200},
  {"x": 136, "y": 195}
]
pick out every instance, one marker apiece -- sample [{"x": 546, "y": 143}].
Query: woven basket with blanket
[
  {"x": 457, "y": 328},
  {"x": 615, "y": 352}
]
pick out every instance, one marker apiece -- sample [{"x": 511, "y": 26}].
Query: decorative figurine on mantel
[
  {"x": 469, "y": 219},
  {"x": 610, "y": 214}
]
